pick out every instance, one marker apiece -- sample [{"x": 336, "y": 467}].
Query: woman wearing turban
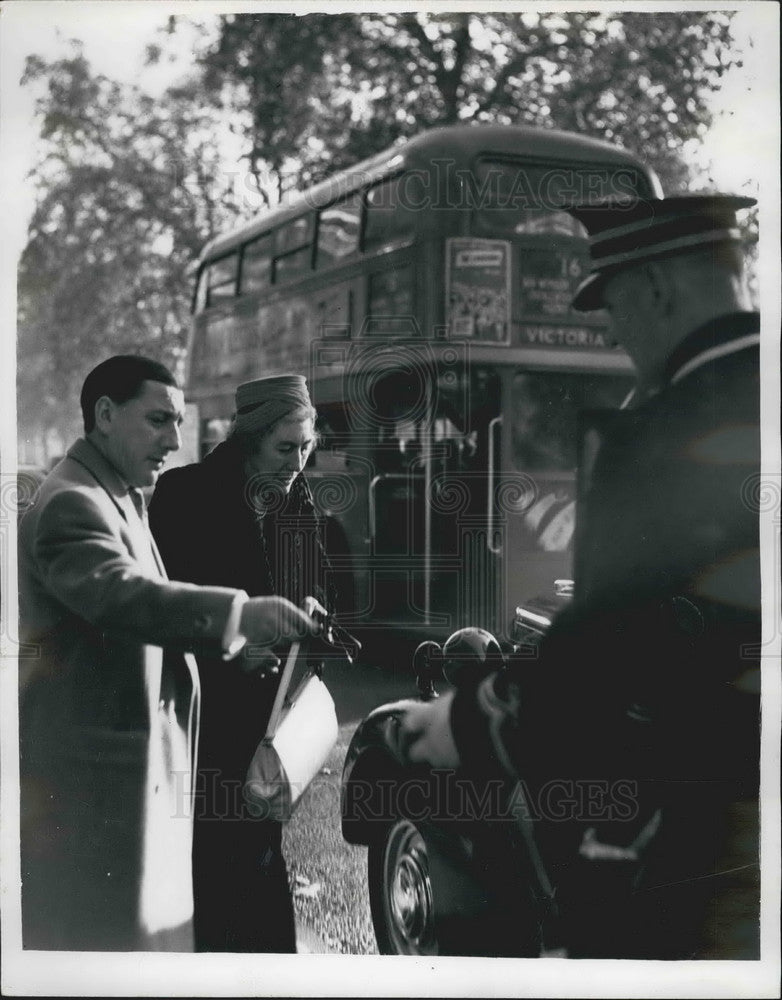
[{"x": 243, "y": 517}]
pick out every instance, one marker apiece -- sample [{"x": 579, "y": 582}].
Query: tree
[
  {"x": 275, "y": 68},
  {"x": 128, "y": 190},
  {"x": 130, "y": 187},
  {"x": 322, "y": 91}
]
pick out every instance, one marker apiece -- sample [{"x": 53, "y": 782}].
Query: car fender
[
  {"x": 373, "y": 761},
  {"x": 373, "y": 774}
]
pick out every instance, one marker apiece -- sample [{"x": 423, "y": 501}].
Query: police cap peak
[{"x": 627, "y": 231}]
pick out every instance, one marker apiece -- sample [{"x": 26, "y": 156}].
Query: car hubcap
[{"x": 409, "y": 890}]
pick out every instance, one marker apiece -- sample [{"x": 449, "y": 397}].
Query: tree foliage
[
  {"x": 321, "y": 91},
  {"x": 129, "y": 187}
]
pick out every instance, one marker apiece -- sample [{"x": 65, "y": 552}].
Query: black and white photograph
[{"x": 390, "y": 499}]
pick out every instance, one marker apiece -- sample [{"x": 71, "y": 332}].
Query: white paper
[{"x": 305, "y": 737}]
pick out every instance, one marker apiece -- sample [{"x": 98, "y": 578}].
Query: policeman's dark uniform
[{"x": 649, "y": 682}]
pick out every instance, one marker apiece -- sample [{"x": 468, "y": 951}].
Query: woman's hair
[{"x": 248, "y": 441}]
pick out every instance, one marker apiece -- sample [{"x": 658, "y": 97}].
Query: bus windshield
[{"x": 544, "y": 410}]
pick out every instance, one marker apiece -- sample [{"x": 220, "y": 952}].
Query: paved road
[{"x": 328, "y": 876}]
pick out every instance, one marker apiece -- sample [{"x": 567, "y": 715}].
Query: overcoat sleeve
[{"x": 87, "y": 566}]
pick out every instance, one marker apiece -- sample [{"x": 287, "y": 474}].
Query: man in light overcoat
[{"x": 109, "y": 696}]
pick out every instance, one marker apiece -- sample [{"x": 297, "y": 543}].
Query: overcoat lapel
[{"x": 143, "y": 544}]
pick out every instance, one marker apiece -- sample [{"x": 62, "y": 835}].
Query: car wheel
[{"x": 400, "y": 891}]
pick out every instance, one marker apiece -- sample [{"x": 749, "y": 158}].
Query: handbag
[{"x": 301, "y": 732}]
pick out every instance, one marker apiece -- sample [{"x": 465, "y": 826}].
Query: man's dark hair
[{"x": 120, "y": 378}]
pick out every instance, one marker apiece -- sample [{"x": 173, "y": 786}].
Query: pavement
[
  {"x": 328, "y": 876},
  {"x": 309, "y": 942}
]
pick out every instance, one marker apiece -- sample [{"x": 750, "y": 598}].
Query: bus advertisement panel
[{"x": 477, "y": 289}]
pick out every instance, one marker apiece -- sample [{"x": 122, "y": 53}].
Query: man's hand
[
  {"x": 315, "y": 609},
  {"x": 425, "y": 730},
  {"x": 267, "y": 621}
]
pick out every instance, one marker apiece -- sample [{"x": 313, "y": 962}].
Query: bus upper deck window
[
  {"x": 533, "y": 221},
  {"x": 292, "y": 265},
  {"x": 513, "y": 198},
  {"x": 293, "y": 249},
  {"x": 222, "y": 278},
  {"x": 339, "y": 229},
  {"x": 393, "y": 208},
  {"x": 294, "y": 234},
  {"x": 257, "y": 265}
]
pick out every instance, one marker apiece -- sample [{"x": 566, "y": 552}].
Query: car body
[{"x": 443, "y": 880}]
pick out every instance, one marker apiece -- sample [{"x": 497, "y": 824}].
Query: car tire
[{"x": 400, "y": 891}]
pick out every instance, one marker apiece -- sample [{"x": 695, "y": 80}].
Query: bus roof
[{"x": 462, "y": 141}]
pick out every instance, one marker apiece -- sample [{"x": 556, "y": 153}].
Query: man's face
[
  {"x": 139, "y": 434},
  {"x": 628, "y": 300}
]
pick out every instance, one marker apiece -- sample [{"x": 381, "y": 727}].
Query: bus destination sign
[
  {"x": 548, "y": 281},
  {"x": 586, "y": 338}
]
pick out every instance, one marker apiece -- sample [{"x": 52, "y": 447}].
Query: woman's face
[{"x": 283, "y": 452}]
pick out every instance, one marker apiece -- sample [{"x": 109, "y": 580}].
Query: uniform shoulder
[{"x": 726, "y": 384}]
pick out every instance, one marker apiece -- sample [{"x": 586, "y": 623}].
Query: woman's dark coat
[{"x": 206, "y": 521}]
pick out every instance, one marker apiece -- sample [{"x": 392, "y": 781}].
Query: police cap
[{"x": 631, "y": 231}]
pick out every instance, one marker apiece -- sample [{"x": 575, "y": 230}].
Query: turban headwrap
[{"x": 264, "y": 401}]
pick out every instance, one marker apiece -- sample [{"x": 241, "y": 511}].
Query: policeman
[{"x": 650, "y": 677}]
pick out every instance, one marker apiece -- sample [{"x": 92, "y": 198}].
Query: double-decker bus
[{"x": 425, "y": 293}]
